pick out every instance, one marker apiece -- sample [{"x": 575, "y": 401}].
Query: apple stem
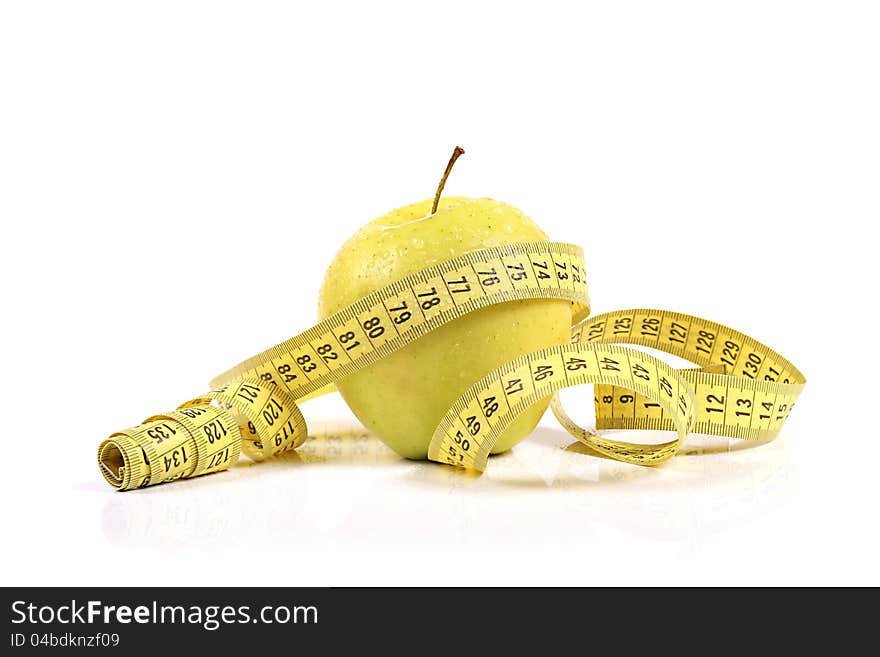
[{"x": 459, "y": 151}]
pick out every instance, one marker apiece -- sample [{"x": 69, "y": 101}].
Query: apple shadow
[{"x": 547, "y": 458}]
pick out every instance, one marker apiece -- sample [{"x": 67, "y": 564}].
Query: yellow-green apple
[{"x": 403, "y": 397}]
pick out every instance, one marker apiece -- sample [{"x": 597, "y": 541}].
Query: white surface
[{"x": 170, "y": 171}]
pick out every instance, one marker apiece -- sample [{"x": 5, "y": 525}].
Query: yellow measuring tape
[{"x": 741, "y": 388}]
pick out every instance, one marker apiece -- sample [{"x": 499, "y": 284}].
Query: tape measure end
[{"x": 111, "y": 458}]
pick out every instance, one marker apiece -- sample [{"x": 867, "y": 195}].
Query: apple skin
[{"x": 403, "y": 397}]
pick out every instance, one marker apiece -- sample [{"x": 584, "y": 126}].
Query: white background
[{"x": 171, "y": 170}]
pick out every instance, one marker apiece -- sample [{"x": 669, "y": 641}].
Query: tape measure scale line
[{"x": 254, "y": 406}]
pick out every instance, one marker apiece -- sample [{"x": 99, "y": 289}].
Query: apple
[{"x": 403, "y": 397}]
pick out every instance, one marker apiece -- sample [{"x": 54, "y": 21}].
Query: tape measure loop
[{"x": 479, "y": 417}]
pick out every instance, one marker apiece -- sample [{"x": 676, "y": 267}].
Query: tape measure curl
[
  {"x": 253, "y": 407},
  {"x": 741, "y": 389}
]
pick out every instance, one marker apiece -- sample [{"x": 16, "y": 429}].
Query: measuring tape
[{"x": 741, "y": 388}]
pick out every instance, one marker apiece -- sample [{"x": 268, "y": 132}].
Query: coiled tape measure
[{"x": 740, "y": 389}]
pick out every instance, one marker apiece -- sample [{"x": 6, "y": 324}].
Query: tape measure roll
[
  {"x": 253, "y": 407},
  {"x": 201, "y": 437}
]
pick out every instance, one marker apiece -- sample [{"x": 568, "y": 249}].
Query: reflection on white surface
[{"x": 344, "y": 488}]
